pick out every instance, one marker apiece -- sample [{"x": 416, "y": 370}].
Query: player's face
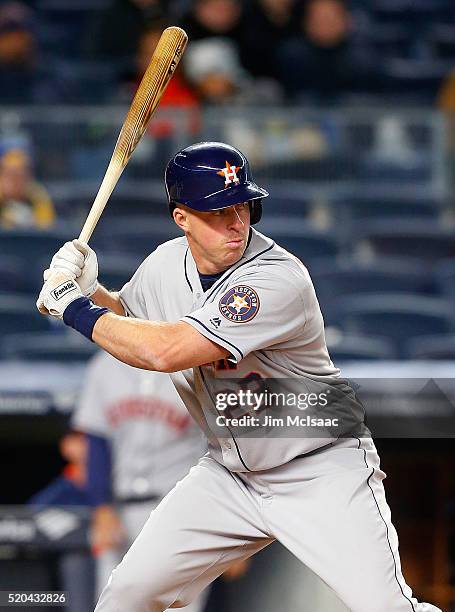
[{"x": 218, "y": 238}]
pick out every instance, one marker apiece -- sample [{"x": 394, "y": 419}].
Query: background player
[
  {"x": 223, "y": 292},
  {"x": 76, "y": 567},
  {"x": 141, "y": 442}
]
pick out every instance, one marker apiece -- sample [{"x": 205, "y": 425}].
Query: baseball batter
[{"x": 223, "y": 304}]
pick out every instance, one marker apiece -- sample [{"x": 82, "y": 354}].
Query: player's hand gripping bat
[{"x": 164, "y": 61}]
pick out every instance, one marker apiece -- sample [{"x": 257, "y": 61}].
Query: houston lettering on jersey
[{"x": 148, "y": 408}]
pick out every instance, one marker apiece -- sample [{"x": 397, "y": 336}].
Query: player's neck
[{"x": 210, "y": 270}]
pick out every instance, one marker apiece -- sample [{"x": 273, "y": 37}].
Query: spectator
[
  {"x": 115, "y": 33},
  {"x": 22, "y": 79},
  {"x": 209, "y": 18},
  {"x": 214, "y": 69},
  {"x": 179, "y": 94},
  {"x": 23, "y": 201},
  {"x": 76, "y": 568},
  {"x": 141, "y": 441},
  {"x": 70, "y": 487},
  {"x": 265, "y": 25},
  {"x": 328, "y": 58}
]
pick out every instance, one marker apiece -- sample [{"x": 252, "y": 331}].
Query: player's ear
[{"x": 181, "y": 217}]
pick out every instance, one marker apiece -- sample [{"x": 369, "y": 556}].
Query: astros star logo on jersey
[
  {"x": 239, "y": 304},
  {"x": 230, "y": 174}
]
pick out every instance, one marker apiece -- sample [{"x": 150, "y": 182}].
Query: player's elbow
[
  {"x": 159, "y": 360},
  {"x": 166, "y": 363},
  {"x": 169, "y": 351}
]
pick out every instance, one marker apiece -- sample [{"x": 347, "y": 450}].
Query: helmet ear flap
[{"x": 255, "y": 210}]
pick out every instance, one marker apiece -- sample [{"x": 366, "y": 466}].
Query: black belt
[{"x": 138, "y": 499}]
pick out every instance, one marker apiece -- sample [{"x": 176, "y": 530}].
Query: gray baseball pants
[
  {"x": 133, "y": 518},
  {"x": 328, "y": 508}
]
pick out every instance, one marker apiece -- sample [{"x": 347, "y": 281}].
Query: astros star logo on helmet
[{"x": 230, "y": 174}]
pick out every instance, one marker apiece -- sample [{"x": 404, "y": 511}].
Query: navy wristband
[{"x": 82, "y": 314}]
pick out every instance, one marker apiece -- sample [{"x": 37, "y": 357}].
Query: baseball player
[
  {"x": 221, "y": 304},
  {"x": 141, "y": 442}
]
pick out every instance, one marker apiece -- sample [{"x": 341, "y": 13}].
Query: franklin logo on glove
[{"x": 63, "y": 289}]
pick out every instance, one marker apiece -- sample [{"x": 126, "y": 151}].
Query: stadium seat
[
  {"x": 417, "y": 79},
  {"x": 417, "y": 169},
  {"x": 89, "y": 162},
  {"x": 333, "y": 280},
  {"x": 329, "y": 167},
  {"x": 445, "y": 278},
  {"x": 14, "y": 276},
  {"x": 70, "y": 19},
  {"x": 19, "y": 314},
  {"x": 412, "y": 12},
  {"x": 391, "y": 40},
  {"x": 408, "y": 238},
  {"x": 377, "y": 204},
  {"x": 351, "y": 347},
  {"x": 115, "y": 270},
  {"x": 442, "y": 40},
  {"x": 31, "y": 244},
  {"x": 440, "y": 347},
  {"x": 47, "y": 346},
  {"x": 397, "y": 317},
  {"x": 299, "y": 237},
  {"x": 138, "y": 204},
  {"x": 136, "y": 235},
  {"x": 294, "y": 206}
]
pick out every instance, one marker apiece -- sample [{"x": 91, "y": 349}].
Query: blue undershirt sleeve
[{"x": 99, "y": 470}]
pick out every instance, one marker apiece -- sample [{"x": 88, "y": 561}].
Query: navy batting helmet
[{"x": 212, "y": 175}]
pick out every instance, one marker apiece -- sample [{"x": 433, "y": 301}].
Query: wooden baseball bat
[{"x": 164, "y": 61}]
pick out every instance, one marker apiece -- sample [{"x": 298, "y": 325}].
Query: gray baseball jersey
[
  {"x": 328, "y": 508},
  {"x": 153, "y": 438},
  {"x": 264, "y": 311}
]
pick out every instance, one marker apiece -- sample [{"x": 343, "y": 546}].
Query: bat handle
[{"x": 106, "y": 188}]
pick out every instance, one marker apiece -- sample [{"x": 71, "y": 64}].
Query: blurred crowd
[
  {"x": 362, "y": 187},
  {"x": 240, "y": 51},
  {"x": 23, "y": 201}
]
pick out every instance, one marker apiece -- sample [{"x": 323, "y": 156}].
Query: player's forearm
[
  {"x": 108, "y": 299},
  {"x": 149, "y": 345},
  {"x": 154, "y": 345},
  {"x": 138, "y": 343}
]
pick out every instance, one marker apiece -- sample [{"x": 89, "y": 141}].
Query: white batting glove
[
  {"x": 57, "y": 293},
  {"x": 80, "y": 261}
]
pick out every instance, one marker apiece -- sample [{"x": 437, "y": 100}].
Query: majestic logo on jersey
[
  {"x": 230, "y": 174},
  {"x": 216, "y": 322},
  {"x": 239, "y": 304}
]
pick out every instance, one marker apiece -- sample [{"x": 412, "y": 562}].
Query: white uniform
[
  {"x": 153, "y": 440},
  {"x": 317, "y": 490}
]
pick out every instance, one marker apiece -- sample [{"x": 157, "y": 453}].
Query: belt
[{"x": 135, "y": 499}]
